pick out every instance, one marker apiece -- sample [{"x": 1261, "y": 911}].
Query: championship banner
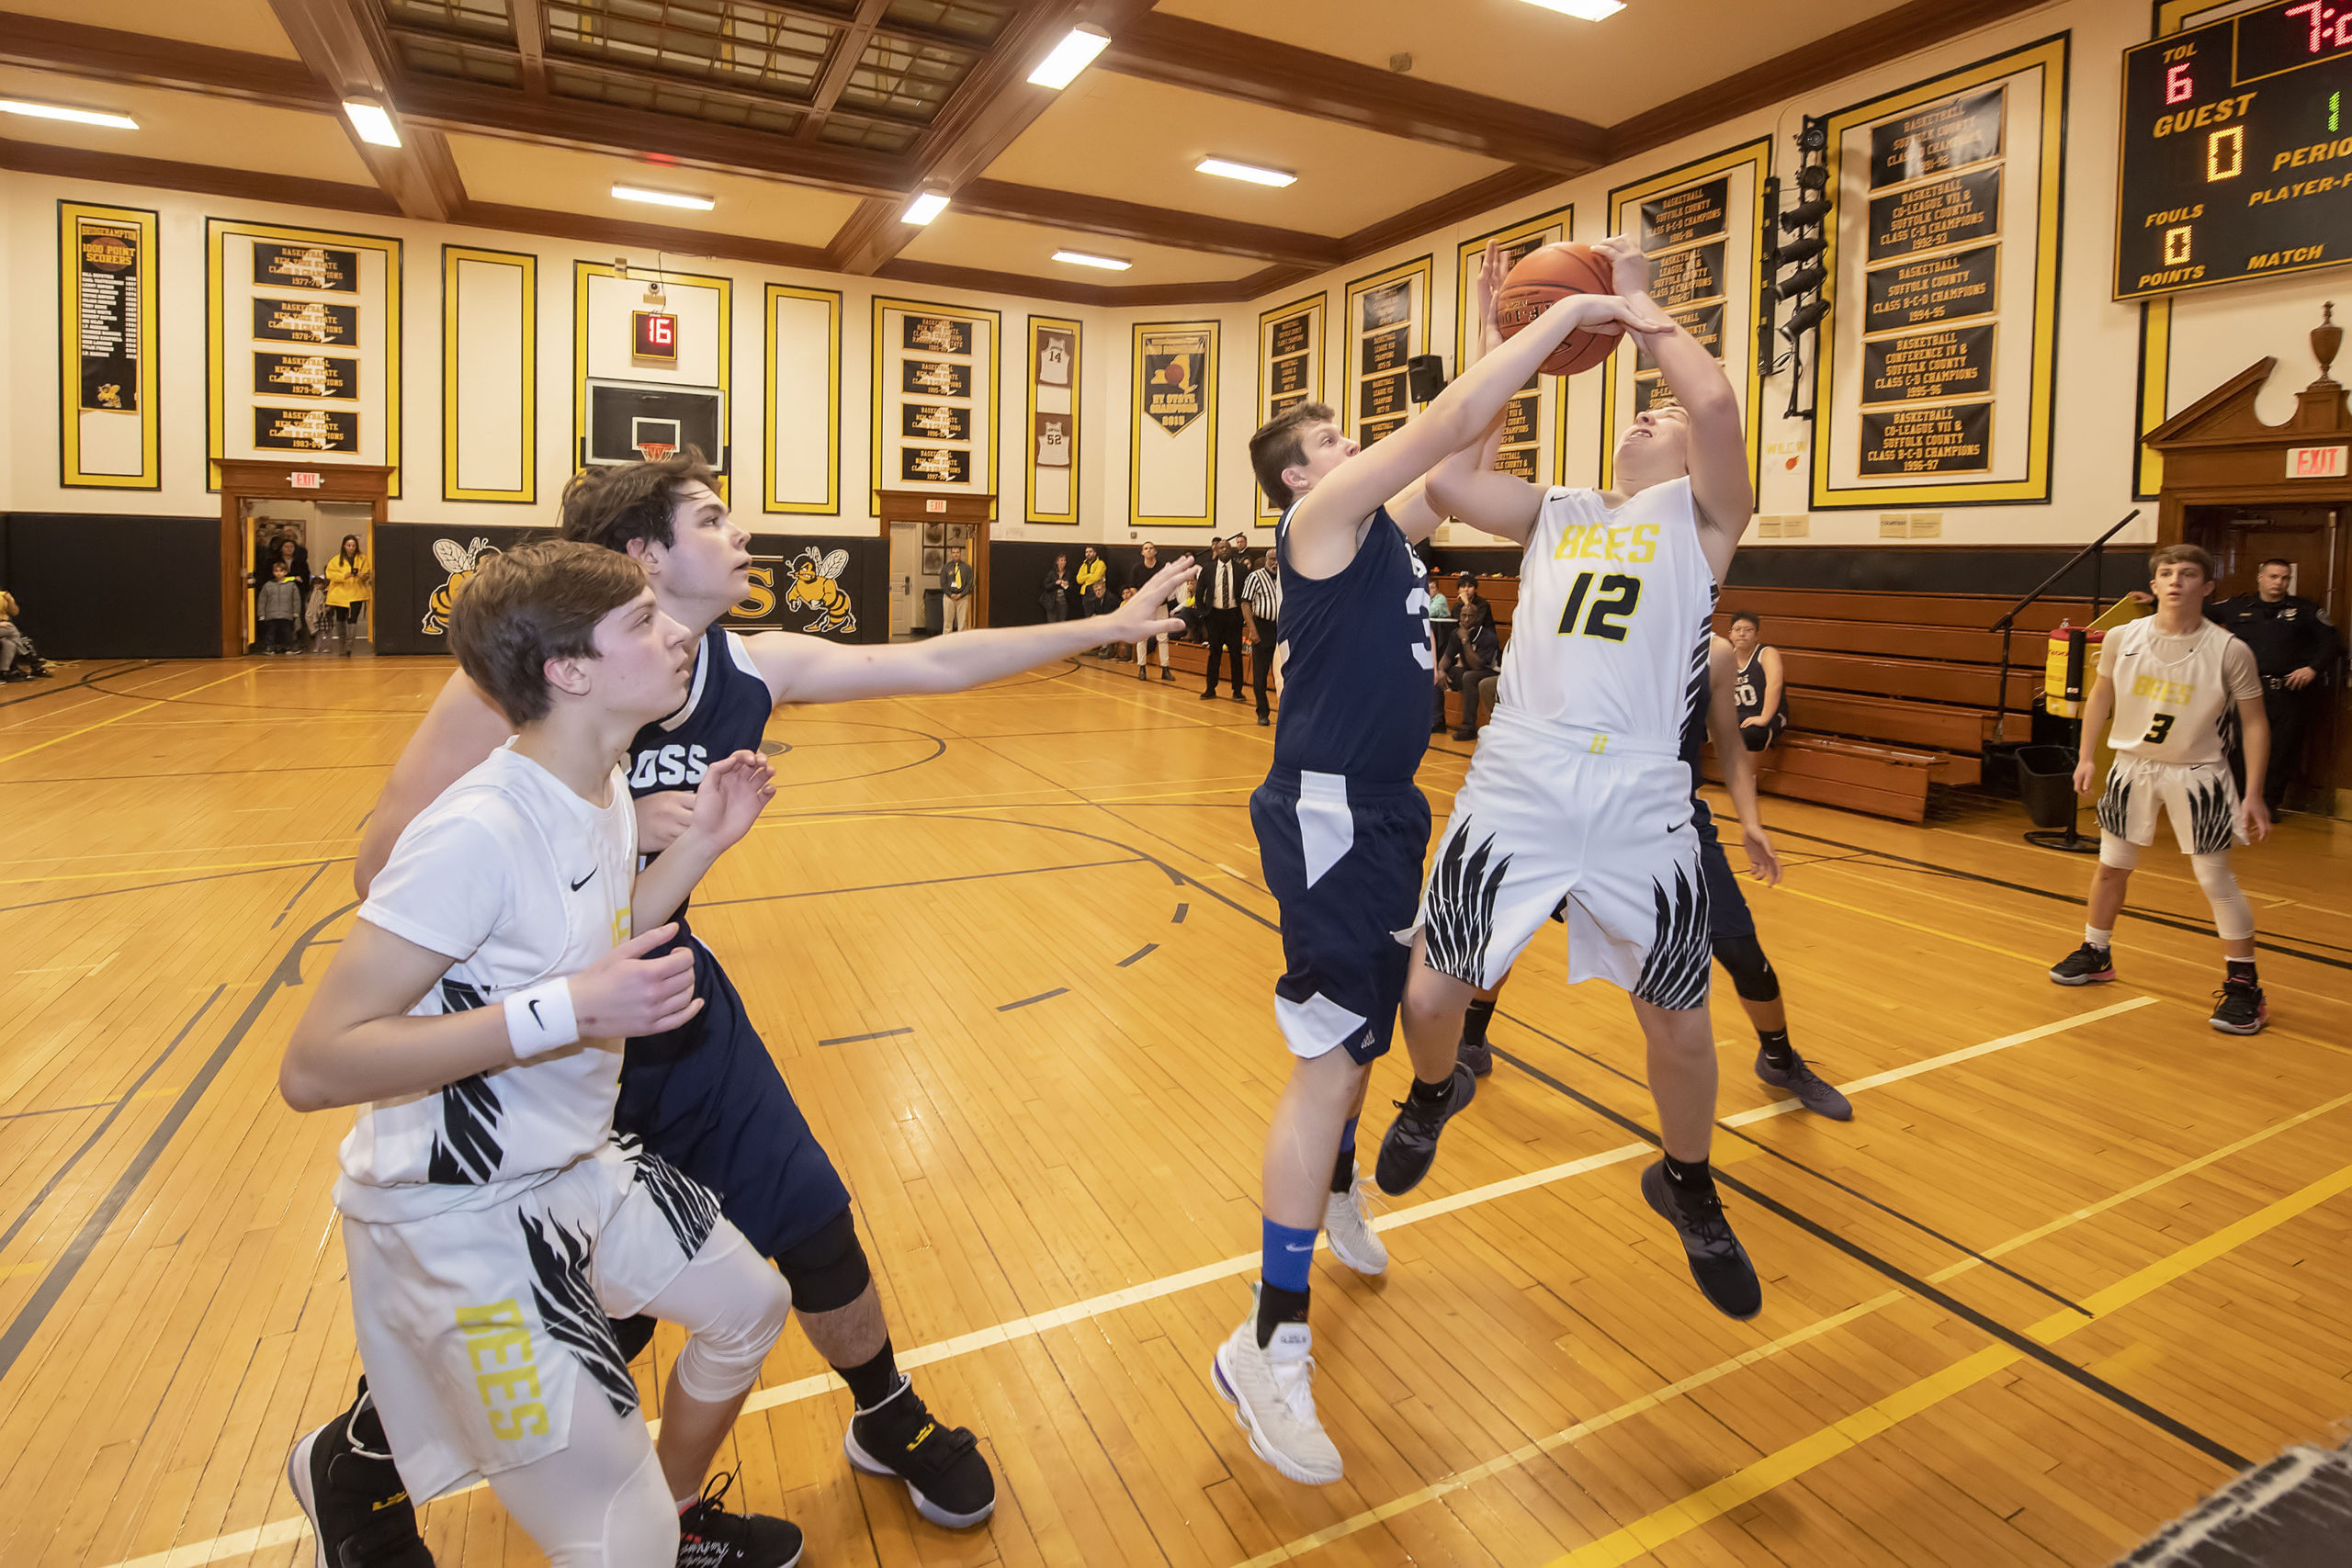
[
  {"x": 1534, "y": 444},
  {"x": 1290, "y": 366},
  {"x": 1175, "y": 378},
  {"x": 1386, "y": 322},
  {"x": 1172, "y": 428},
  {"x": 1053, "y": 420},
  {"x": 107, "y": 343},
  {"x": 936, "y": 371},
  {"x": 1698, "y": 223},
  {"x": 1936, "y": 361}
]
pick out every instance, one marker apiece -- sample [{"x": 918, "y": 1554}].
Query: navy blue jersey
[
  {"x": 726, "y": 711},
  {"x": 1356, "y": 660}
]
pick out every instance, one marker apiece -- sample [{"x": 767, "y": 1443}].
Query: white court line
[{"x": 239, "y": 1543}]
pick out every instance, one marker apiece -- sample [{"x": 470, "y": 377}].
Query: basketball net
[{"x": 654, "y": 451}]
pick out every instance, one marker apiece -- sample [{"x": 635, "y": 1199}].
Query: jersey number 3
[
  {"x": 1616, "y": 602},
  {"x": 2158, "y": 730}
]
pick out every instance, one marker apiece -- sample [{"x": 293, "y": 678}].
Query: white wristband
[{"x": 540, "y": 1020}]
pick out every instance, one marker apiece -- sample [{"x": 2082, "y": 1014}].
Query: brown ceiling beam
[
  {"x": 849, "y": 47},
  {"x": 200, "y": 179},
  {"x": 1148, "y": 225},
  {"x": 347, "y": 53},
  {"x": 531, "y": 43},
  {"x": 590, "y": 229},
  {"x": 1180, "y": 52},
  {"x": 135, "y": 60}
]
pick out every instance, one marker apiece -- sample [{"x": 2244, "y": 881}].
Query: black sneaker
[
  {"x": 942, "y": 1466},
  {"x": 359, "y": 1511},
  {"x": 1821, "y": 1098},
  {"x": 2240, "y": 1008},
  {"x": 1718, "y": 1262},
  {"x": 1475, "y": 1054},
  {"x": 2086, "y": 966},
  {"x": 710, "y": 1537},
  {"x": 1410, "y": 1145},
  {"x": 1168, "y": 676}
]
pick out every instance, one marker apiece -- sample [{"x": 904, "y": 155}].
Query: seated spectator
[
  {"x": 1757, "y": 692},
  {"x": 1444, "y": 640},
  {"x": 1473, "y": 664},
  {"x": 1093, "y": 599},
  {"x": 17, "y": 659}
]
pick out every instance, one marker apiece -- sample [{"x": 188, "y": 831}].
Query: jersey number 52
[{"x": 1614, "y": 605}]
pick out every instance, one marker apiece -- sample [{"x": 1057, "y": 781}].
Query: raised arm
[
  {"x": 1738, "y": 764},
  {"x": 1465, "y": 484},
  {"x": 801, "y": 668}
]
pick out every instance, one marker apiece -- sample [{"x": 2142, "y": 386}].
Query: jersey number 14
[{"x": 1614, "y": 605}]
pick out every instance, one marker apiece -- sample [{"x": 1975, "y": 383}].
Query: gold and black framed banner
[
  {"x": 928, "y": 356},
  {"x": 1171, "y": 429},
  {"x": 1385, "y": 324},
  {"x": 625, "y": 408},
  {"x": 490, "y": 375},
  {"x": 1699, "y": 224},
  {"x": 302, "y": 346},
  {"x": 1052, "y": 460},
  {"x": 1938, "y": 362},
  {"x": 802, "y": 448},
  {"x": 1290, "y": 364},
  {"x": 1534, "y": 445},
  {"x": 107, "y": 421}
]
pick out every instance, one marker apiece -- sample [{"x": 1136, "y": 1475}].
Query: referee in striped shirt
[{"x": 1262, "y": 614}]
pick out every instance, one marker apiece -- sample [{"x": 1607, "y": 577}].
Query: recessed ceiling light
[
  {"x": 374, "y": 126},
  {"x": 1230, "y": 169},
  {"x": 1073, "y": 55},
  {"x": 925, "y": 208},
  {"x": 57, "y": 111},
  {"x": 665, "y": 197},
  {"x": 1583, "y": 10},
  {"x": 1079, "y": 258}
]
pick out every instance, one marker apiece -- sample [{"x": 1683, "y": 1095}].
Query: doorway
[
  {"x": 906, "y": 564},
  {"x": 315, "y": 531},
  {"x": 266, "y": 503},
  {"x": 2240, "y": 538},
  {"x": 933, "y": 526}
]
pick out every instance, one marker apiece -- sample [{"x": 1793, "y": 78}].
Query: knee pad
[
  {"x": 2233, "y": 917},
  {"x": 2119, "y": 854},
  {"x": 826, "y": 1270},
  {"x": 723, "y": 1358},
  {"x": 1751, "y": 972}
]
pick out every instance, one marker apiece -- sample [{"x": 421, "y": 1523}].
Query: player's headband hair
[
  {"x": 615, "y": 503},
  {"x": 2191, "y": 555},
  {"x": 532, "y": 604},
  {"x": 1750, "y": 617},
  {"x": 1280, "y": 444}
]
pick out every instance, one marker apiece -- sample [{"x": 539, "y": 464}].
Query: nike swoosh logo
[
  {"x": 583, "y": 881},
  {"x": 535, "y": 1006},
  {"x": 1287, "y": 1245}
]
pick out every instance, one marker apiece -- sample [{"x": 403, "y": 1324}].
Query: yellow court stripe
[
  {"x": 1911, "y": 925},
  {"x": 167, "y": 870},
  {"x": 1686, "y": 1513},
  {"x": 131, "y": 713}
]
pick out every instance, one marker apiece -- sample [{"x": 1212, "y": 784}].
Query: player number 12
[{"x": 1616, "y": 602}]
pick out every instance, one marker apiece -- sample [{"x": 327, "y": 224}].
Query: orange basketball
[{"x": 1552, "y": 273}]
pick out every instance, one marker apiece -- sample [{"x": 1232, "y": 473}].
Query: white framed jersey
[
  {"x": 1614, "y": 613},
  {"x": 2176, "y": 697}
]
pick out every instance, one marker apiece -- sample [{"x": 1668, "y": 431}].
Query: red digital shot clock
[{"x": 655, "y": 337}]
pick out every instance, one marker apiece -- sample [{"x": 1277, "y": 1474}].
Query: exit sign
[
  {"x": 656, "y": 336},
  {"x": 2315, "y": 462},
  {"x": 305, "y": 481}
]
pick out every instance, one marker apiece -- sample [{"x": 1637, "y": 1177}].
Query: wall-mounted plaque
[
  {"x": 1376, "y": 430},
  {"x": 1682, "y": 277},
  {"x": 305, "y": 430},
  {"x": 1519, "y": 461},
  {"x": 935, "y": 377},
  {"x": 934, "y": 465},
  {"x": 305, "y": 266},
  {"x": 1949, "y": 439},
  {"x": 1651, "y": 393},
  {"x": 1948, "y": 362},
  {"x": 108, "y": 257},
  {"x": 1382, "y": 397},
  {"x": 1386, "y": 351},
  {"x": 1054, "y": 443},
  {"x": 1288, "y": 376},
  {"x": 1387, "y": 305},
  {"x": 937, "y": 335},
  {"x": 1175, "y": 370},
  {"x": 306, "y": 321},
  {"x": 935, "y": 422},
  {"x": 1294, "y": 336},
  {"x": 1939, "y": 213},
  {"x": 1696, "y": 212},
  {"x": 1519, "y": 419},
  {"x": 1283, "y": 405},
  {"x": 1947, "y": 135},
  {"x": 1936, "y": 289},
  {"x": 305, "y": 376},
  {"x": 1704, "y": 322}
]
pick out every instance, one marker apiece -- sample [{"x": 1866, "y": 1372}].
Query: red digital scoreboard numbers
[
  {"x": 2236, "y": 151},
  {"x": 656, "y": 337}
]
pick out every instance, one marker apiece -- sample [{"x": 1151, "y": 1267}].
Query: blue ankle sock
[
  {"x": 1343, "y": 1169},
  {"x": 1288, "y": 1253},
  {"x": 1348, "y": 1138}
]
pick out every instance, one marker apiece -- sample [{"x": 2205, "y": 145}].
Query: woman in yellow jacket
[{"x": 348, "y": 576}]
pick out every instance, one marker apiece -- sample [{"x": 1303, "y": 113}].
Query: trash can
[{"x": 2046, "y": 782}]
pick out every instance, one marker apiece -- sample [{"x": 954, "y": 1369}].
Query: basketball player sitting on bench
[
  {"x": 2177, "y": 685},
  {"x": 706, "y": 1095},
  {"x": 1760, "y": 695},
  {"x": 475, "y": 1016}
]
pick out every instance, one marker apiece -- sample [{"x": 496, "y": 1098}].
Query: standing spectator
[
  {"x": 1056, "y": 594},
  {"x": 1239, "y": 546},
  {"x": 1092, "y": 569},
  {"x": 1758, "y": 694},
  {"x": 17, "y": 659},
  {"x": 1142, "y": 573},
  {"x": 956, "y": 588},
  {"x": 297, "y": 556},
  {"x": 279, "y": 605},
  {"x": 348, "y": 578},
  {"x": 1219, "y": 603},
  {"x": 1262, "y": 614},
  {"x": 2295, "y": 650}
]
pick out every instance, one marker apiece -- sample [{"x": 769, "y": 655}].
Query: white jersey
[
  {"x": 519, "y": 880},
  {"x": 2176, "y": 697},
  {"x": 1612, "y": 629}
]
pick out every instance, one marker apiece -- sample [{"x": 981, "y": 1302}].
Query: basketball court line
[
  {"x": 132, "y": 713},
  {"x": 279, "y": 1532}
]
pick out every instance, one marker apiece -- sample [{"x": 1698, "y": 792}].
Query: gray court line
[
  {"x": 878, "y": 1034},
  {"x": 1149, "y": 947},
  {"x": 1181, "y": 910},
  {"x": 316, "y": 871},
  {"x": 1040, "y": 996},
  {"x": 918, "y": 882},
  {"x": 58, "y": 1110}
]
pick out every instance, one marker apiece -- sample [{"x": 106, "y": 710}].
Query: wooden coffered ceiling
[{"x": 813, "y": 122}]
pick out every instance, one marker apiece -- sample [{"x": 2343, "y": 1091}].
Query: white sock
[{"x": 2103, "y": 939}]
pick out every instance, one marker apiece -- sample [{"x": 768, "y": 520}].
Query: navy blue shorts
[
  {"x": 1343, "y": 860},
  {"x": 1727, "y": 913},
  {"x": 707, "y": 1097}
]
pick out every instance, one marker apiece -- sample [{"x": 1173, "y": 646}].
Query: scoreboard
[{"x": 2237, "y": 149}]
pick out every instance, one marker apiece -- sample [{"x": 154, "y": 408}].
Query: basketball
[{"x": 1550, "y": 273}]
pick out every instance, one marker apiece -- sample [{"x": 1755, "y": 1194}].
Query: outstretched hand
[
  {"x": 1485, "y": 290},
  {"x": 734, "y": 791},
  {"x": 1608, "y": 315},
  {"x": 626, "y": 994},
  {"x": 1145, "y": 616},
  {"x": 1629, "y": 267}
]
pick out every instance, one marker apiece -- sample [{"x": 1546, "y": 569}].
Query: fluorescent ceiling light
[
  {"x": 1583, "y": 10},
  {"x": 1079, "y": 258},
  {"x": 1073, "y": 55},
  {"x": 79, "y": 116},
  {"x": 374, "y": 126},
  {"x": 665, "y": 197},
  {"x": 925, "y": 208},
  {"x": 1230, "y": 169}
]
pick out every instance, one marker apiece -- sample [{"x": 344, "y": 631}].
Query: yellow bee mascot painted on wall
[
  {"x": 815, "y": 586},
  {"x": 461, "y": 561}
]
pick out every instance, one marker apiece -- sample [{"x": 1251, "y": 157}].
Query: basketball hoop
[{"x": 654, "y": 451}]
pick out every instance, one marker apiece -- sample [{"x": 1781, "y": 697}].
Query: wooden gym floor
[{"x": 2075, "y": 1258}]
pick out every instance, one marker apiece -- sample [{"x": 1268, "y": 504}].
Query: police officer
[{"x": 2294, "y": 648}]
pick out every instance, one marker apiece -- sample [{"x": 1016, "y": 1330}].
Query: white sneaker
[
  {"x": 1268, "y": 1388},
  {"x": 1353, "y": 1242}
]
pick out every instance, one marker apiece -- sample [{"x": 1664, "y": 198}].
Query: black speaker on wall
[{"x": 1425, "y": 375}]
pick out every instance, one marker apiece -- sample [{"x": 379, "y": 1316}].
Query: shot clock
[
  {"x": 656, "y": 334},
  {"x": 2237, "y": 149}
]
